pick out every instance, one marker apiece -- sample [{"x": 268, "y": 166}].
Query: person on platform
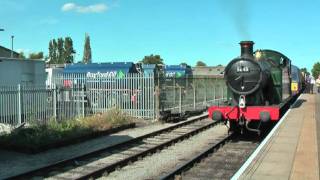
[
  {"x": 318, "y": 84},
  {"x": 312, "y": 82},
  {"x": 307, "y": 80}
]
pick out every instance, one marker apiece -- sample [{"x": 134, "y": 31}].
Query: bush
[{"x": 42, "y": 134}]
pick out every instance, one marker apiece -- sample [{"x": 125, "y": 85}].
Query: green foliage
[
  {"x": 54, "y": 58},
  {"x": 200, "y": 63},
  {"x": 68, "y": 50},
  {"x": 37, "y": 135},
  {"x": 183, "y": 64},
  {"x": 51, "y": 51},
  {"x": 21, "y": 55},
  {"x": 87, "y": 57},
  {"x": 316, "y": 70},
  {"x": 38, "y": 55},
  {"x": 61, "y": 51},
  {"x": 304, "y": 70},
  {"x": 152, "y": 59}
]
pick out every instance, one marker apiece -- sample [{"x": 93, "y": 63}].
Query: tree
[
  {"x": 21, "y": 55},
  {"x": 69, "y": 51},
  {"x": 51, "y": 52},
  {"x": 61, "y": 51},
  {"x": 87, "y": 57},
  {"x": 60, "y": 47},
  {"x": 38, "y": 55},
  {"x": 183, "y": 64},
  {"x": 55, "y": 51},
  {"x": 152, "y": 59},
  {"x": 305, "y": 71},
  {"x": 200, "y": 63},
  {"x": 316, "y": 70}
]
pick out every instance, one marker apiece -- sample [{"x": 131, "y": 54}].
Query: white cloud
[
  {"x": 68, "y": 7},
  {"x": 95, "y": 8}
]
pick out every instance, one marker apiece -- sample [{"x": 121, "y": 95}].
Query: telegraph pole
[
  {"x": 12, "y": 46},
  {"x": 1, "y": 29}
]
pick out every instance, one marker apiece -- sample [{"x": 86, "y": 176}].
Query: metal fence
[
  {"x": 132, "y": 93},
  {"x": 198, "y": 92},
  {"x": 72, "y": 95},
  {"x": 24, "y": 104}
]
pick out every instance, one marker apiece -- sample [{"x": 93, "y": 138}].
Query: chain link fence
[{"x": 187, "y": 94}]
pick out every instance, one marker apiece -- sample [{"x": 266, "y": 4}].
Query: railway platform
[{"x": 290, "y": 151}]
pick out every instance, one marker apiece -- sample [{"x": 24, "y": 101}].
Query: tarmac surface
[
  {"x": 317, "y": 115},
  {"x": 292, "y": 151}
]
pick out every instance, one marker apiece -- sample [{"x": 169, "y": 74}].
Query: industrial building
[
  {"x": 5, "y": 52},
  {"x": 15, "y": 71},
  {"x": 209, "y": 71}
]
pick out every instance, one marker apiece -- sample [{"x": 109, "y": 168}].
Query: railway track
[
  {"x": 109, "y": 159},
  {"x": 219, "y": 161}
]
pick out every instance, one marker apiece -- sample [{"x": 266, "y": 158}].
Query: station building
[{"x": 209, "y": 71}]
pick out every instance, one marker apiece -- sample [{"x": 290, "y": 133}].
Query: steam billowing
[{"x": 238, "y": 10}]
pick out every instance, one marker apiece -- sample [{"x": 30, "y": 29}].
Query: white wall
[{"x": 24, "y": 72}]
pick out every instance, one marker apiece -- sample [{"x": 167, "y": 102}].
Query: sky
[{"x": 177, "y": 30}]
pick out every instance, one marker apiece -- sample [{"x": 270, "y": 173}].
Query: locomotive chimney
[{"x": 246, "y": 48}]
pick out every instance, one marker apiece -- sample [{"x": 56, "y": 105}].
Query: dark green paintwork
[
  {"x": 280, "y": 78},
  {"x": 277, "y": 64}
]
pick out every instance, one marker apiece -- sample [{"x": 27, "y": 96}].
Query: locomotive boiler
[{"x": 259, "y": 89}]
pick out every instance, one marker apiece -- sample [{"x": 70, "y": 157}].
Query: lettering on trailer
[
  {"x": 174, "y": 74},
  {"x": 109, "y": 74}
]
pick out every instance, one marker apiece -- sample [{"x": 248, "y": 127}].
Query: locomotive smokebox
[{"x": 246, "y": 49}]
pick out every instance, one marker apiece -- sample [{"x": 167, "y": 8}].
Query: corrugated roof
[
  {"x": 6, "y": 49},
  {"x": 98, "y": 67}
]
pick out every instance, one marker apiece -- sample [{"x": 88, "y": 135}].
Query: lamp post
[
  {"x": 1, "y": 29},
  {"x": 12, "y": 46}
]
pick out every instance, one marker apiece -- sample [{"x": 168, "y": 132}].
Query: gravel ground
[
  {"x": 223, "y": 163},
  {"x": 13, "y": 163},
  {"x": 108, "y": 158},
  {"x": 152, "y": 167}
]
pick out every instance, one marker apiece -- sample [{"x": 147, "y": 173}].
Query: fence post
[
  {"x": 194, "y": 97},
  {"x": 82, "y": 95},
  {"x": 19, "y": 105},
  {"x": 157, "y": 98},
  {"x": 205, "y": 89},
  {"x": 214, "y": 91},
  {"x": 222, "y": 93},
  {"x": 180, "y": 99},
  {"x": 174, "y": 91},
  {"x": 54, "y": 102}
]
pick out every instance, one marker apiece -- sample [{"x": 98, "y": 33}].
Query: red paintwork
[{"x": 249, "y": 113}]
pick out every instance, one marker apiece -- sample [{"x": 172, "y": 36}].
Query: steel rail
[
  {"x": 108, "y": 168},
  {"x": 46, "y": 169},
  {"x": 197, "y": 158}
]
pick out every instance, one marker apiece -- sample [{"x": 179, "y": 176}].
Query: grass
[{"x": 37, "y": 135}]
